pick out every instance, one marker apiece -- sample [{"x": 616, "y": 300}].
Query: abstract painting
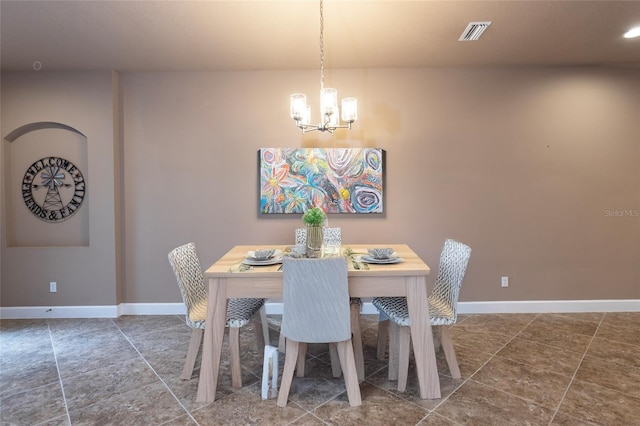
[{"x": 338, "y": 180}]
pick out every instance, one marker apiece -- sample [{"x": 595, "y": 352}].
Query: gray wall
[
  {"x": 85, "y": 272},
  {"x": 526, "y": 165}
]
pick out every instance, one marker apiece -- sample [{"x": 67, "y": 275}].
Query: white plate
[
  {"x": 389, "y": 261},
  {"x": 252, "y": 255},
  {"x": 265, "y": 262}
]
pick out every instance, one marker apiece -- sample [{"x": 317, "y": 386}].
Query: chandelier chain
[{"x": 321, "y": 46}]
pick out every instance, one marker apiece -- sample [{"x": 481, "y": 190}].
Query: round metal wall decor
[{"x": 53, "y": 189}]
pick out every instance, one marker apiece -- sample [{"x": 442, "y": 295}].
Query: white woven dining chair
[
  {"x": 329, "y": 235},
  {"x": 186, "y": 266},
  {"x": 443, "y": 303},
  {"x": 334, "y": 236},
  {"x": 301, "y": 236},
  {"x": 316, "y": 310}
]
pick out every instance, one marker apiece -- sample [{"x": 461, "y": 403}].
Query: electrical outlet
[
  {"x": 53, "y": 287},
  {"x": 505, "y": 282}
]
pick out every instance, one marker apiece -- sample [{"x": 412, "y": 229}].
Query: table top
[{"x": 230, "y": 264}]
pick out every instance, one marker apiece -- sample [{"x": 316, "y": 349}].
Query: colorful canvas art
[{"x": 338, "y": 180}]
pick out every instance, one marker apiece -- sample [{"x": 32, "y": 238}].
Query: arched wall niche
[
  {"x": 31, "y": 152},
  {"x": 40, "y": 125}
]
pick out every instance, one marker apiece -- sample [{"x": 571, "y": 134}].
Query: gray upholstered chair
[
  {"x": 186, "y": 266},
  {"x": 443, "y": 303},
  {"x": 316, "y": 310},
  {"x": 335, "y": 236}
]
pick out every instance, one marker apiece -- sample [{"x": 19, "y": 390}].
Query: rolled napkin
[{"x": 380, "y": 253}]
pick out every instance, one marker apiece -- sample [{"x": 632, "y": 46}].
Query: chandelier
[{"x": 329, "y": 112}]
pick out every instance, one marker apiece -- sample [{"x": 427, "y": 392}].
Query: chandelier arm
[{"x": 307, "y": 128}]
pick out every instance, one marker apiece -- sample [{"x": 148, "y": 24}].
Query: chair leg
[
  {"x": 281, "y": 343},
  {"x": 383, "y": 336},
  {"x": 449, "y": 351},
  {"x": 336, "y": 370},
  {"x": 234, "y": 349},
  {"x": 257, "y": 322},
  {"x": 302, "y": 358},
  {"x": 356, "y": 339},
  {"x": 404, "y": 347},
  {"x": 347, "y": 361},
  {"x": 394, "y": 332},
  {"x": 265, "y": 326},
  {"x": 192, "y": 353},
  {"x": 290, "y": 361}
]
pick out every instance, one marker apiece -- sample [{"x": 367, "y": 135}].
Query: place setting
[
  {"x": 381, "y": 256},
  {"x": 263, "y": 257}
]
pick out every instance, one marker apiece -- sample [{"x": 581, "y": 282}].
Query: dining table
[{"x": 229, "y": 278}]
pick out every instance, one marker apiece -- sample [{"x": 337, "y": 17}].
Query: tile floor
[{"x": 518, "y": 369}]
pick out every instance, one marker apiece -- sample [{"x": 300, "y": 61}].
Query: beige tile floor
[{"x": 517, "y": 369}]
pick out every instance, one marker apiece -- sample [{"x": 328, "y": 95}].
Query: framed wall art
[{"x": 338, "y": 180}]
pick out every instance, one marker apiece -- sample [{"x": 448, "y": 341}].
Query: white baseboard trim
[
  {"x": 275, "y": 308},
  {"x": 33, "y": 312},
  {"x": 549, "y": 306},
  {"x": 152, "y": 309}
]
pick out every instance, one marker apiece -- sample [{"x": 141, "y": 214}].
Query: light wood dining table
[{"x": 408, "y": 278}]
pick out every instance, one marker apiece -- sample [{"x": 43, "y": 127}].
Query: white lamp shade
[
  {"x": 333, "y": 119},
  {"x": 298, "y": 106},
  {"x": 349, "y": 110},
  {"x": 306, "y": 118},
  {"x": 328, "y": 101}
]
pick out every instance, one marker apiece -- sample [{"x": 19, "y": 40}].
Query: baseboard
[
  {"x": 152, "y": 309},
  {"x": 28, "y": 312},
  {"x": 549, "y": 306},
  {"x": 275, "y": 308}
]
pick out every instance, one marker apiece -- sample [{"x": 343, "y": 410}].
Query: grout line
[
  {"x": 157, "y": 375},
  {"x": 566, "y": 391},
  {"x": 481, "y": 367},
  {"x": 55, "y": 357},
  {"x": 499, "y": 349}
]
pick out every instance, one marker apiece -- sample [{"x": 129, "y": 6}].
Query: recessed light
[{"x": 632, "y": 33}]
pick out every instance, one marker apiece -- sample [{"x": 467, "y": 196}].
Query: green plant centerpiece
[{"x": 315, "y": 219}]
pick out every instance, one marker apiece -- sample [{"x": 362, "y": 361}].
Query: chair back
[
  {"x": 453, "y": 265},
  {"x": 301, "y": 236},
  {"x": 329, "y": 235},
  {"x": 186, "y": 266},
  {"x": 316, "y": 300},
  {"x": 332, "y": 236}
]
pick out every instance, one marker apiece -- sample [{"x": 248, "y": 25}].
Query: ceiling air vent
[{"x": 474, "y": 30}]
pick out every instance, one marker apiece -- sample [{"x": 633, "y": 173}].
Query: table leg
[
  {"x": 422, "y": 338},
  {"x": 213, "y": 336}
]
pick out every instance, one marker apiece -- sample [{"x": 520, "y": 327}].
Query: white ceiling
[{"x": 266, "y": 35}]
